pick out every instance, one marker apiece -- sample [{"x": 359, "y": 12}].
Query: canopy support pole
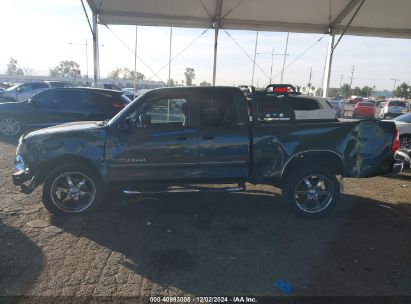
[
  {"x": 135, "y": 63},
  {"x": 216, "y": 28},
  {"x": 96, "y": 51},
  {"x": 169, "y": 58},
  {"x": 328, "y": 63},
  {"x": 255, "y": 54}
]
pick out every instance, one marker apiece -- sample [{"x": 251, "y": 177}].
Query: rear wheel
[
  {"x": 72, "y": 189},
  {"x": 10, "y": 126},
  {"x": 405, "y": 141},
  {"x": 311, "y": 191}
]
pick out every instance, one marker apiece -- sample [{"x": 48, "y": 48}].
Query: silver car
[{"x": 22, "y": 91}]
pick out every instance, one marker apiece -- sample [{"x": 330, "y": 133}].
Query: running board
[{"x": 185, "y": 190}]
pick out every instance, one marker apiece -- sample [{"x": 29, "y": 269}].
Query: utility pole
[
  {"x": 395, "y": 82},
  {"x": 309, "y": 81},
  {"x": 272, "y": 61},
  {"x": 135, "y": 64},
  {"x": 285, "y": 54},
  {"x": 86, "y": 45},
  {"x": 351, "y": 78}
]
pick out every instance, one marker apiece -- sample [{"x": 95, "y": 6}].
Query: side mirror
[
  {"x": 19, "y": 90},
  {"x": 145, "y": 120},
  {"x": 126, "y": 125}
]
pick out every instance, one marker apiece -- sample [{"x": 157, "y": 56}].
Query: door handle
[
  {"x": 186, "y": 137},
  {"x": 208, "y": 137}
]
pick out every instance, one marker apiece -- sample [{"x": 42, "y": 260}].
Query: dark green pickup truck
[{"x": 169, "y": 139}]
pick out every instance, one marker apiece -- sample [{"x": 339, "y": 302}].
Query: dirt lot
[{"x": 208, "y": 244}]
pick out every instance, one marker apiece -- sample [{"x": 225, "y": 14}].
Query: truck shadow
[
  {"x": 240, "y": 243},
  {"x": 20, "y": 263}
]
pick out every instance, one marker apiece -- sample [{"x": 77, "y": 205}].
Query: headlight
[{"x": 20, "y": 165}]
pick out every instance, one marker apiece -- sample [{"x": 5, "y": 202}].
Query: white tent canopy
[{"x": 375, "y": 18}]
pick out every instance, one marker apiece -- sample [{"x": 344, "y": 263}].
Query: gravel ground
[{"x": 208, "y": 244}]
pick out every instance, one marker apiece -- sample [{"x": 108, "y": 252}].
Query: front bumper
[
  {"x": 404, "y": 156},
  {"x": 25, "y": 180}
]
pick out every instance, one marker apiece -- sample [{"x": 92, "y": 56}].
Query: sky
[{"x": 38, "y": 34}]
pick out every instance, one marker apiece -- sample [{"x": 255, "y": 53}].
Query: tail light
[
  {"x": 117, "y": 104},
  {"x": 395, "y": 146}
]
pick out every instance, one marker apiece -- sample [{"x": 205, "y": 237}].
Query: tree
[
  {"x": 205, "y": 84},
  {"x": 125, "y": 74},
  {"x": 403, "y": 90},
  {"x": 66, "y": 68},
  {"x": 346, "y": 90},
  {"x": 12, "y": 68},
  {"x": 332, "y": 92},
  {"x": 189, "y": 75}
]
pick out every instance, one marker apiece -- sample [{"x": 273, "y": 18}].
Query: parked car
[
  {"x": 129, "y": 92},
  {"x": 403, "y": 123},
  {"x": 57, "y": 106},
  {"x": 59, "y": 84},
  {"x": 355, "y": 99},
  {"x": 393, "y": 108},
  {"x": 23, "y": 91},
  {"x": 207, "y": 138},
  {"x": 364, "y": 109}
]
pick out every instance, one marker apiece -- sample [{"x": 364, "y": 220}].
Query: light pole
[
  {"x": 272, "y": 60},
  {"x": 86, "y": 45},
  {"x": 395, "y": 82}
]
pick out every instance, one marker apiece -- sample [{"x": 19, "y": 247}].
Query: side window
[
  {"x": 166, "y": 112},
  {"x": 304, "y": 104},
  {"x": 47, "y": 99},
  {"x": 217, "y": 109},
  {"x": 80, "y": 101}
]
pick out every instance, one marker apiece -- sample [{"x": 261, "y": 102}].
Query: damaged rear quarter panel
[{"x": 363, "y": 146}]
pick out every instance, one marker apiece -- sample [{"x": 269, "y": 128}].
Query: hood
[{"x": 78, "y": 126}]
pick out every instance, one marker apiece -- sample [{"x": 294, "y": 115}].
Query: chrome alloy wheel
[
  {"x": 9, "y": 126},
  {"x": 73, "y": 192},
  {"x": 314, "y": 193},
  {"x": 405, "y": 142}
]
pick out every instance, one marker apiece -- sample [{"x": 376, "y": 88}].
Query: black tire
[
  {"x": 405, "y": 141},
  {"x": 296, "y": 182},
  {"x": 76, "y": 172},
  {"x": 4, "y": 119}
]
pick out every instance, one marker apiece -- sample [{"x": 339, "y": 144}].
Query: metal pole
[
  {"x": 285, "y": 54},
  {"x": 328, "y": 63},
  {"x": 216, "y": 27},
  {"x": 135, "y": 63},
  {"x": 169, "y": 58},
  {"x": 87, "y": 58},
  {"x": 271, "y": 70},
  {"x": 96, "y": 51},
  {"x": 255, "y": 54}
]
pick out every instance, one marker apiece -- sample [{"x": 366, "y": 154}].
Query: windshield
[
  {"x": 119, "y": 114},
  {"x": 12, "y": 88},
  {"x": 397, "y": 103},
  {"x": 404, "y": 118}
]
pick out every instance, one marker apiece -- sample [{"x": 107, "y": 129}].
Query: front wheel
[
  {"x": 72, "y": 189},
  {"x": 311, "y": 191}
]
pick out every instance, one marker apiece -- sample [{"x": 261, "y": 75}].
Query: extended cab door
[
  {"x": 163, "y": 144},
  {"x": 224, "y": 135}
]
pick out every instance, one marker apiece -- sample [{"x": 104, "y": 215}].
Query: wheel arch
[
  {"x": 49, "y": 165},
  {"x": 328, "y": 159}
]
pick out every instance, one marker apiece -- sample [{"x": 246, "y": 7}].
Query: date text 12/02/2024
[{"x": 238, "y": 299}]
